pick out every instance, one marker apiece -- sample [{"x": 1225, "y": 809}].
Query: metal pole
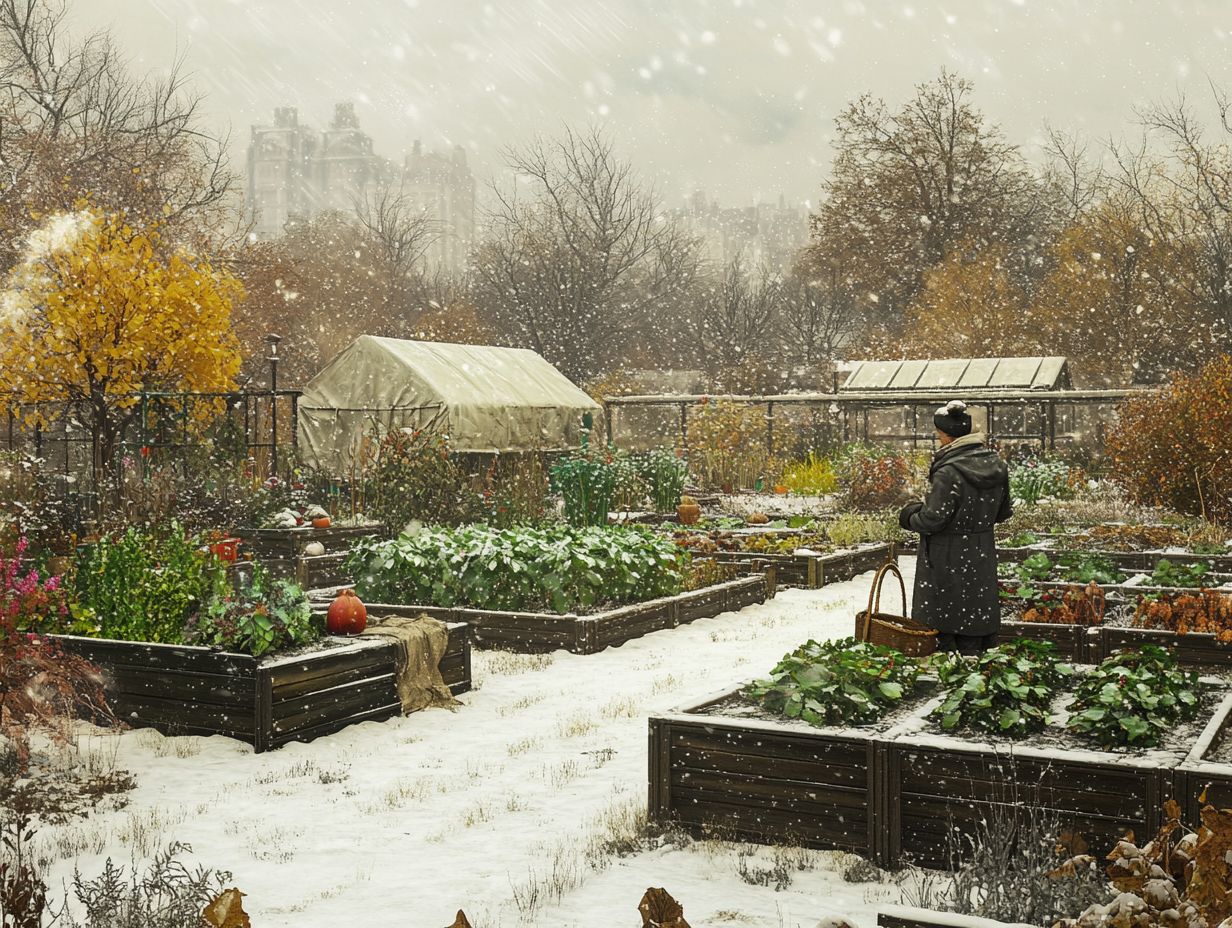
[
  {"x": 608, "y": 412},
  {"x": 273, "y": 361},
  {"x": 684, "y": 427},
  {"x": 770, "y": 429}
]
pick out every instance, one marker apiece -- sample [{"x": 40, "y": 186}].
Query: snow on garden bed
[{"x": 403, "y": 822}]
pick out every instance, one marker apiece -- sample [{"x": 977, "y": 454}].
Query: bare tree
[
  {"x": 578, "y": 254},
  {"x": 740, "y": 313},
  {"x": 402, "y": 230},
  {"x": 74, "y": 121},
  {"x": 909, "y": 184},
  {"x": 1074, "y": 181},
  {"x": 819, "y": 306}
]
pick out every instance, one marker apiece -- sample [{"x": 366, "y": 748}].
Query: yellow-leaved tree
[
  {"x": 969, "y": 307},
  {"x": 98, "y": 310}
]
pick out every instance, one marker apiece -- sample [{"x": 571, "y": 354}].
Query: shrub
[
  {"x": 260, "y": 616},
  {"x": 587, "y": 481},
  {"x": 1006, "y": 690},
  {"x": 142, "y": 585},
  {"x": 1174, "y": 448},
  {"x": 727, "y": 445},
  {"x": 877, "y": 480},
  {"x": 417, "y": 477},
  {"x": 664, "y": 474},
  {"x": 1203, "y": 612},
  {"x": 41, "y": 687},
  {"x": 1133, "y": 698},
  {"x": 515, "y": 490},
  {"x": 837, "y": 682},
  {"x": 814, "y": 476},
  {"x": 1035, "y": 480},
  {"x": 557, "y": 568}
]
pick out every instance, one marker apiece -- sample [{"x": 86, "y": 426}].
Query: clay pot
[
  {"x": 688, "y": 513},
  {"x": 781, "y": 490},
  {"x": 321, "y": 523},
  {"x": 347, "y": 615}
]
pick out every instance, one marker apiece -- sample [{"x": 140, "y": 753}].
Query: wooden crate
[
  {"x": 187, "y": 690},
  {"x": 763, "y": 782},
  {"x": 539, "y": 632}
]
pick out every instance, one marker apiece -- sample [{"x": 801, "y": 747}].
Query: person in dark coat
[{"x": 956, "y": 569}]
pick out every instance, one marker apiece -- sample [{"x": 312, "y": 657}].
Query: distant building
[
  {"x": 296, "y": 172},
  {"x": 444, "y": 188},
  {"x": 765, "y": 233}
]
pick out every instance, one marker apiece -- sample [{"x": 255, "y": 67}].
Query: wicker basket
[{"x": 894, "y": 631}]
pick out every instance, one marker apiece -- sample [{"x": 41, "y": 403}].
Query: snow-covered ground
[{"x": 399, "y": 824}]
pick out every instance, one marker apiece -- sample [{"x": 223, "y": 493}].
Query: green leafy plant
[
  {"x": 259, "y": 616},
  {"x": 1133, "y": 698},
  {"x": 587, "y": 481},
  {"x": 1006, "y": 690},
  {"x": 1034, "y": 569},
  {"x": 851, "y": 529},
  {"x": 1088, "y": 568},
  {"x": 837, "y": 682},
  {"x": 416, "y": 477},
  {"x": 1190, "y": 576},
  {"x": 557, "y": 568},
  {"x": 664, "y": 474},
  {"x": 142, "y": 585},
  {"x": 1039, "y": 480},
  {"x": 1022, "y": 540}
]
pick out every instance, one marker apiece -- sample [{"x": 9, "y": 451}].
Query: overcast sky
[{"x": 736, "y": 97}]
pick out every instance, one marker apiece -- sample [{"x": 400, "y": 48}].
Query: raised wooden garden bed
[
  {"x": 764, "y": 781},
  {"x": 1202, "y": 775},
  {"x": 312, "y": 572},
  {"x": 900, "y": 916},
  {"x": 1073, "y": 641},
  {"x": 1195, "y": 649},
  {"x": 933, "y": 785},
  {"x": 186, "y": 690},
  {"x": 535, "y": 632},
  {"x": 289, "y": 543},
  {"x": 889, "y": 796},
  {"x": 813, "y": 571}
]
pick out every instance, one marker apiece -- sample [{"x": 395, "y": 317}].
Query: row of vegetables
[{"x": 1131, "y": 699}]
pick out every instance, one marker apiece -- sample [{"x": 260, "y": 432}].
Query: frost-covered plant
[
  {"x": 260, "y": 616},
  {"x": 558, "y": 568},
  {"x": 167, "y": 895},
  {"x": 1039, "y": 480},
  {"x": 1133, "y": 698},
  {"x": 41, "y": 687},
  {"x": 587, "y": 481},
  {"x": 1006, "y": 690},
  {"x": 837, "y": 682}
]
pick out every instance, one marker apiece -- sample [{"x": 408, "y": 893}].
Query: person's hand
[{"x": 905, "y": 514}]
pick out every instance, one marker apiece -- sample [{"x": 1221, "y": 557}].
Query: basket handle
[{"x": 874, "y": 595}]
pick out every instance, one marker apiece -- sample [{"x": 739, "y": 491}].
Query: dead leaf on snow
[
  {"x": 227, "y": 911},
  {"x": 660, "y": 910}
]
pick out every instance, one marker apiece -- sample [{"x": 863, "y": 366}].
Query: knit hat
[{"x": 953, "y": 419}]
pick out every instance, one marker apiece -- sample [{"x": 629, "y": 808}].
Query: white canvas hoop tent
[{"x": 486, "y": 400}]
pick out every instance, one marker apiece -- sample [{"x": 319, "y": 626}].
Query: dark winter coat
[{"x": 956, "y": 570}]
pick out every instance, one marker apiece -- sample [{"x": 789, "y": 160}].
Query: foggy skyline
[{"x": 736, "y": 98}]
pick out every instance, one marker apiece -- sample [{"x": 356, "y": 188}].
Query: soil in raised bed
[
  {"x": 738, "y": 706},
  {"x": 1176, "y": 743}
]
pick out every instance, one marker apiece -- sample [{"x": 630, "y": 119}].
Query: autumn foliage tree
[
  {"x": 99, "y": 310},
  {"x": 969, "y": 307},
  {"x": 1174, "y": 448}
]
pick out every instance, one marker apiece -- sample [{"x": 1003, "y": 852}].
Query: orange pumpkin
[
  {"x": 347, "y": 615},
  {"x": 321, "y": 523}
]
